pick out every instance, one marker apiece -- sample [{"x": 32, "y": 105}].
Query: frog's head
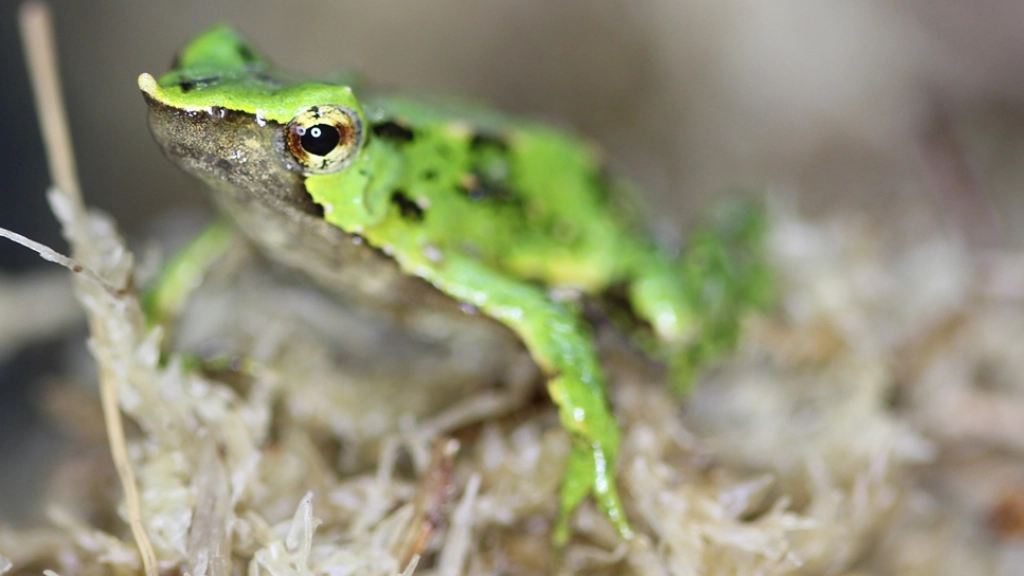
[{"x": 223, "y": 114}]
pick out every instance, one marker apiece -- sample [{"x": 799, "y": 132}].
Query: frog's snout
[
  {"x": 149, "y": 86},
  {"x": 147, "y": 83}
]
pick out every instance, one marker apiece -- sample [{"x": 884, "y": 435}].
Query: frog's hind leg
[{"x": 563, "y": 348}]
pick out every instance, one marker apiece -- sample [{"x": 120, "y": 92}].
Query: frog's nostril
[{"x": 189, "y": 84}]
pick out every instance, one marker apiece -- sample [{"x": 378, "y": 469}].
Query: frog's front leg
[
  {"x": 183, "y": 273},
  {"x": 562, "y": 347}
]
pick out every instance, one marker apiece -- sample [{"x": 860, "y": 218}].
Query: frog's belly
[
  {"x": 326, "y": 254},
  {"x": 362, "y": 276}
]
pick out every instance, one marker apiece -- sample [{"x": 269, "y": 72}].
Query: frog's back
[
  {"x": 528, "y": 198},
  {"x": 414, "y": 179}
]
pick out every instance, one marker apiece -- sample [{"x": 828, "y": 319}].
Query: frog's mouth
[{"x": 233, "y": 152}]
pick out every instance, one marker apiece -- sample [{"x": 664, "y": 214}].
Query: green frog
[{"x": 423, "y": 210}]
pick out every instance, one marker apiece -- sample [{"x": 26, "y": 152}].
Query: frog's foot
[
  {"x": 590, "y": 471},
  {"x": 591, "y": 466}
]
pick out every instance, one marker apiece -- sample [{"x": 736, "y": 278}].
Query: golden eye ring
[{"x": 323, "y": 139}]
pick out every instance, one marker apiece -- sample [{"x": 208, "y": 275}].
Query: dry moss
[{"x": 815, "y": 449}]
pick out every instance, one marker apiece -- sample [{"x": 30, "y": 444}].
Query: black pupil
[{"x": 320, "y": 139}]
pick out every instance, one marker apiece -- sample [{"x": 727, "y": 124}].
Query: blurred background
[{"x": 910, "y": 118}]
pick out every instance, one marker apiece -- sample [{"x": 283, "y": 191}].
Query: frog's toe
[
  {"x": 578, "y": 483},
  {"x": 590, "y": 471}
]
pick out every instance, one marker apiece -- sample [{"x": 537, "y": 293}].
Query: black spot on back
[
  {"x": 406, "y": 207},
  {"x": 489, "y": 171},
  {"x": 490, "y": 168},
  {"x": 393, "y": 131}
]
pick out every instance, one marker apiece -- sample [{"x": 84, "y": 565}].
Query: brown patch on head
[{"x": 231, "y": 151}]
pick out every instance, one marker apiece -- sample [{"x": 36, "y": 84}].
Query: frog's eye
[{"x": 323, "y": 138}]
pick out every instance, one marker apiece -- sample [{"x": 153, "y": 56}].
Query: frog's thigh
[{"x": 564, "y": 349}]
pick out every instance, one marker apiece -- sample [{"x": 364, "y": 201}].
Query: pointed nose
[{"x": 148, "y": 85}]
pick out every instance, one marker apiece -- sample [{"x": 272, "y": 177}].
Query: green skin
[{"x": 433, "y": 208}]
